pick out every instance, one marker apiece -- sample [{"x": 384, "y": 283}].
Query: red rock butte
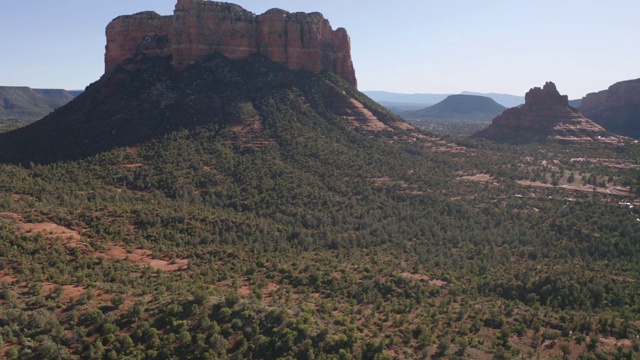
[
  {"x": 545, "y": 113},
  {"x": 199, "y": 28}
]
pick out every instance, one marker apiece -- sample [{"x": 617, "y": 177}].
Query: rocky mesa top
[{"x": 197, "y": 28}]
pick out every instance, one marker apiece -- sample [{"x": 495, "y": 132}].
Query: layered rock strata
[
  {"x": 617, "y": 109},
  {"x": 199, "y": 28},
  {"x": 545, "y": 114}
]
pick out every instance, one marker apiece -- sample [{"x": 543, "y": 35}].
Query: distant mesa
[
  {"x": 405, "y": 100},
  {"x": 545, "y": 115},
  {"x": 505, "y": 100},
  {"x": 199, "y": 28},
  {"x": 471, "y": 108},
  {"x": 617, "y": 109}
]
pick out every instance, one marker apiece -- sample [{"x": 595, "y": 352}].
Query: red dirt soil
[
  {"x": 433, "y": 282},
  {"x": 54, "y": 231},
  {"x": 69, "y": 291},
  {"x": 7, "y": 278},
  {"x": 478, "y": 177},
  {"x": 143, "y": 258},
  {"x": 49, "y": 230},
  {"x": 360, "y": 116},
  {"x": 618, "y": 191},
  {"x": 132, "y": 166}
]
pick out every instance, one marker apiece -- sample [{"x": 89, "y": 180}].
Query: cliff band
[
  {"x": 199, "y": 28},
  {"x": 617, "y": 109},
  {"x": 545, "y": 113}
]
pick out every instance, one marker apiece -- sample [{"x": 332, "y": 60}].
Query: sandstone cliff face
[
  {"x": 199, "y": 28},
  {"x": 545, "y": 114},
  {"x": 617, "y": 109}
]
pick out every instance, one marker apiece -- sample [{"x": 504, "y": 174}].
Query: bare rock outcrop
[
  {"x": 545, "y": 114},
  {"x": 617, "y": 109},
  {"x": 199, "y": 28}
]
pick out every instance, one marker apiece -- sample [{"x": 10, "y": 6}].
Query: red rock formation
[
  {"x": 617, "y": 109},
  {"x": 199, "y": 28},
  {"x": 545, "y": 113}
]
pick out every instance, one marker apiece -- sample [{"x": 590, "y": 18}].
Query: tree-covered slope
[
  {"x": 265, "y": 215},
  {"x": 148, "y": 98}
]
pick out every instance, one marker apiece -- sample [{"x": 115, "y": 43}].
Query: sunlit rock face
[
  {"x": 199, "y": 28},
  {"x": 545, "y": 114},
  {"x": 617, "y": 109}
]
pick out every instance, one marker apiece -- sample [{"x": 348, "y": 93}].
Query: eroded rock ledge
[
  {"x": 545, "y": 114},
  {"x": 199, "y": 28}
]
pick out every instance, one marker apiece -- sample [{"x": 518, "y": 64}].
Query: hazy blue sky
[{"x": 410, "y": 46}]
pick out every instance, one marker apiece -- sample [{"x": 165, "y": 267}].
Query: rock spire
[{"x": 545, "y": 114}]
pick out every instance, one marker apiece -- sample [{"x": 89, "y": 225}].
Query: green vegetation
[
  {"x": 453, "y": 128},
  {"x": 311, "y": 239},
  {"x": 21, "y": 105}
]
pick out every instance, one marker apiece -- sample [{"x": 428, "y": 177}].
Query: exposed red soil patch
[
  {"x": 250, "y": 129},
  {"x": 433, "y": 282},
  {"x": 271, "y": 287},
  {"x": 4, "y": 349},
  {"x": 132, "y": 166},
  {"x": 614, "y": 163},
  {"x": 613, "y": 343},
  {"x": 402, "y": 125},
  {"x": 4, "y": 277},
  {"x": 260, "y": 142},
  {"x": 69, "y": 291},
  {"x": 622, "y": 279},
  {"x": 382, "y": 180},
  {"x": 478, "y": 177},
  {"x": 614, "y": 190},
  {"x": 360, "y": 116},
  {"x": 477, "y": 354},
  {"x": 412, "y": 192},
  {"x": 571, "y": 138},
  {"x": 17, "y": 197},
  {"x": 441, "y": 146},
  {"x": 52, "y": 231},
  {"x": 251, "y": 126},
  {"x": 244, "y": 290},
  {"x": 138, "y": 256},
  {"x": 487, "y": 333},
  {"x": 143, "y": 258},
  {"x": 392, "y": 353},
  {"x": 617, "y": 140},
  {"x": 48, "y": 230},
  {"x": 534, "y": 183},
  {"x": 10, "y": 216},
  {"x": 404, "y": 138}
]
